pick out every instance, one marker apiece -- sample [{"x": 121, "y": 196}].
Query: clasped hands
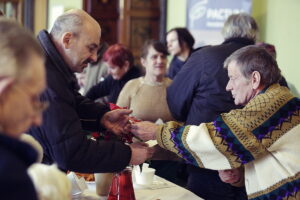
[{"x": 118, "y": 122}]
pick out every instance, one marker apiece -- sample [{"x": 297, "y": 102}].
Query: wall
[
  {"x": 176, "y": 13},
  {"x": 40, "y": 13},
  {"x": 279, "y": 23},
  {"x": 57, "y": 7},
  {"x": 44, "y": 16}
]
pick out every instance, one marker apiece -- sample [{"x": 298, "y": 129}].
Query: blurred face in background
[
  {"x": 155, "y": 63},
  {"x": 20, "y": 104},
  {"x": 117, "y": 72},
  {"x": 173, "y": 44}
]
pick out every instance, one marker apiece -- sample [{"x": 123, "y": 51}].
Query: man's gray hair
[
  {"x": 16, "y": 46},
  {"x": 67, "y": 22},
  {"x": 240, "y": 25},
  {"x": 252, "y": 58}
]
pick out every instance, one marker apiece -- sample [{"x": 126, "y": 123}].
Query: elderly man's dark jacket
[
  {"x": 69, "y": 114},
  {"x": 15, "y": 158}
]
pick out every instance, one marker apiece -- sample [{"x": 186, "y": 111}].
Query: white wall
[{"x": 279, "y": 23}]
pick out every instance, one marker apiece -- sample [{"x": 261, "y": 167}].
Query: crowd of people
[{"x": 228, "y": 120}]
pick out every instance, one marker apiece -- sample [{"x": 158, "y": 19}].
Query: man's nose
[
  {"x": 168, "y": 45},
  {"x": 228, "y": 86},
  {"x": 159, "y": 59},
  {"x": 94, "y": 57}
]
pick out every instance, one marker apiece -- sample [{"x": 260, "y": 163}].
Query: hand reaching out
[
  {"x": 145, "y": 130},
  {"x": 116, "y": 121},
  {"x": 140, "y": 152}
]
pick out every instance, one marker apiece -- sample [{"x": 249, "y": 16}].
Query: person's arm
[
  {"x": 102, "y": 89},
  {"x": 63, "y": 140},
  {"x": 214, "y": 145},
  {"x": 90, "y": 113}
]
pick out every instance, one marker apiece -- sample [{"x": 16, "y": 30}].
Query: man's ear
[
  {"x": 5, "y": 83},
  {"x": 256, "y": 79},
  {"x": 67, "y": 39}
]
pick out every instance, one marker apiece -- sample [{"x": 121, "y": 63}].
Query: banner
[{"x": 205, "y": 18}]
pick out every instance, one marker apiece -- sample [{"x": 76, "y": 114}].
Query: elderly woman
[
  {"x": 180, "y": 45},
  {"x": 263, "y": 136},
  {"x": 146, "y": 97},
  {"x": 119, "y": 60},
  {"x": 22, "y": 79}
]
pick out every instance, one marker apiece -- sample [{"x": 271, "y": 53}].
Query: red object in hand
[{"x": 126, "y": 137}]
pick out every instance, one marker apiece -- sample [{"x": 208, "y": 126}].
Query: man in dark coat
[
  {"x": 22, "y": 79},
  {"x": 73, "y": 43},
  {"x": 198, "y": 94}
]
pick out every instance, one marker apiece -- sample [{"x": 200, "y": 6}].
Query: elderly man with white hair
[{"x": 263, "y": 136}]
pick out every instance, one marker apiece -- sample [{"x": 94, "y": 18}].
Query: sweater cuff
[{"x": 159, "y": 135}]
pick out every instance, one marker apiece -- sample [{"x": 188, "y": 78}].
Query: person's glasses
[{"x": 37, "y": 105}]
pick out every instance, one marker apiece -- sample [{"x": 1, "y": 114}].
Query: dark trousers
[{"x": 207, "y": 184}]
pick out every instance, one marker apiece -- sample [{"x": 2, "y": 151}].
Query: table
[{"x": 170, "y": 191}]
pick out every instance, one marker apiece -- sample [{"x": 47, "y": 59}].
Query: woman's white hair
[
  {"x": 50, "y": 183},
  {"x": 240, "y": 25}
]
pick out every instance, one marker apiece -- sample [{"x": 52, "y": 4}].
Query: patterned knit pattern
[{"x": 265, "y": 129}]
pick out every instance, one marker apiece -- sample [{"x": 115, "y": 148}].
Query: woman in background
[
  {"x": 119, "y": 60},
  {"x": 180, "y": 45},
  {"x": 146, "y": 97}
]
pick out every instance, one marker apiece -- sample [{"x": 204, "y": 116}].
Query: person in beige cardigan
[{"x": 146, "y": 97}]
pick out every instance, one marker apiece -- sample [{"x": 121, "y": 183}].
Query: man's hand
[
  {"x": 144, "y": 130},
  {"x": 116, "y": 121},
  {"x": 140, "y": 152},
  {"x": 231, "y": 175}
]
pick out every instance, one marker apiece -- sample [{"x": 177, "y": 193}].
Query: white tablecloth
[{"x": 162, "y": 190}]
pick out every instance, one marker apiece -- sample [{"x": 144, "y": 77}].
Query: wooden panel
[
  {"x": 142, "y": 29},
  {"x": 143, "y": 4},
  {"x": 109, "y": 30},
  {"x": 130, "y": 22},
  {"x": 103, "y": 8},
  {"x": 140, "y": 21},
  {"x": 106, "y": 12}
]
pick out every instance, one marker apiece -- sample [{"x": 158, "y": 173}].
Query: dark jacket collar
[
  {"x": 22, "y": 150},
  {"x": 132, "y": 73},
  {"x": 56, "y": 59},
  {"x": 245, "y": 41}
]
